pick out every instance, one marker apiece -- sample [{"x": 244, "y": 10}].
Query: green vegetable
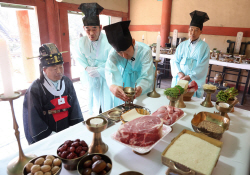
[
  {"x": 174, "y": 92},
  {"x": 227, "y": 94}
]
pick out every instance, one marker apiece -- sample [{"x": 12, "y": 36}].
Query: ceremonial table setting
[{"x": 234, "y": 144}]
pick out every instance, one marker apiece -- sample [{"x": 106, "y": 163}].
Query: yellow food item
[
  {"x": 39, "y": 173},
  {"x": 50, "y": 157},
  {"x": 48, "y": 162},
  {"x": 209, "y": 86},
  {"x": 28, "y": 167},
  {"x": 55, "y": 169},
  {"x": 57, "y": 162},
  {"x": 45, "y": 168},
  {"x": 183, "y": 84},
  {"x": 39, "y": 161},
  {"x": 195, "y": 153},
  {"x": 35, "y": 168},
  {"x": 47, "y": 173}
]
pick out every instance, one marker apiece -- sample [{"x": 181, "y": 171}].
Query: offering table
[
  {"x": 212, "y": 62},
  {"x": 234, "y": 158}
]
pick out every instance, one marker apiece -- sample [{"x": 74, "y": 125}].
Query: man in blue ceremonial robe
[
  {"x": 192, "y": 56},
  {"x": 92, "y": 52},
  {"x": 129, "y": 62},
  {"x": 50, "y": 104}
]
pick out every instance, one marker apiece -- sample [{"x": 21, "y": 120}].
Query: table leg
[
  {"x": 209, "y": 72},
  {"x": 223, "y": 74},
  {"x": 245, "y": 89},
  {"x": 238, "y": 79}
]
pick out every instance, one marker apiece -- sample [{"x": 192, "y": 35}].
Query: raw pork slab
[
  {"x": 168, "y": 114},
  {"x": 142, "y": 131}
]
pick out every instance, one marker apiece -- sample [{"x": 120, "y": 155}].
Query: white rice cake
[
  {"x": 131, "y": 115},
  {"x": 183, "y": 84},
  {"x": 194, "y": 153}
]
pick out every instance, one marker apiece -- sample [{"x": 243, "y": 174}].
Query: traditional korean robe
[
  {"x": 95, "y": 56},
  {"x": 192, "y": 60},
  {"x": 141, "y": 71},
  {"x": 38, "y": 100}
]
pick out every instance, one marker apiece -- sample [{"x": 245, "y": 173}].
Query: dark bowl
[
  {"x": 80, "y": 166},
  {"x": 131, "y": 173},
  {"x": 44, "y": 156},
  {"x": 71, "y": 164}
]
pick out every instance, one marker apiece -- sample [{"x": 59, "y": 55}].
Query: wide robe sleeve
[
  {"x": 79, "y": 53},
  {"x": 175, "y": 63},
  {"x": 112, "y": 73},
  {"x": 75, "y": 113},
  {"x": 32, "y": 111},
  {"x": 146, "y": 78}
]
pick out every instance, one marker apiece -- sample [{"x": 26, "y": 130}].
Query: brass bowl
[
  {"x": 80, "y": 166},
  {"x": 71, "y": 164},
  {"x": 172, "y": 100},
  {"x": 131, "y": 173},
  {"x": 187, "y": 96},
  {"x": 140, "y": 110},
  {"x": 114, "y": 115},
  {"x": 223, "y": 111},
  {"x": 44, "y": 156},
  {"x": 221, "y": 121},
  {"x": 129, "y": 90},
  {"x": 99, "y": 128}
]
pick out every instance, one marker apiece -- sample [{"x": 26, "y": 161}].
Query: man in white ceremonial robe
[{"x": 192, "y": 56}]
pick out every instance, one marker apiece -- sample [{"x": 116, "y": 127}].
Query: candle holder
[
  {"x": 154, "y": 94},
  {"x": 180, "y": 103},
  {"x": 15, "y": 166},
  {"x": 207, "y": 102},
  {"x": 97, "y": 145}
]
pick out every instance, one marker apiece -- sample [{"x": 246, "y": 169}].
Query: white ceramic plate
[{"x": 165, "y": 130}]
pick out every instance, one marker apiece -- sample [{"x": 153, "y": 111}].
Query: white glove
[{"x": 92, "y": 71}]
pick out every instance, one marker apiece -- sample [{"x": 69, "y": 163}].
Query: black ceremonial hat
[
  {"x": 119, "y": 36},
  {"x": 91, "y": 12},
  {"x": 50, "y": 55},
  {"x": 198, "y": 18}
]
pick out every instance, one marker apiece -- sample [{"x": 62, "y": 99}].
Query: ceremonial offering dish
[
  {"x": 223, "y": 110},
  {"x": 97, "y": 145},
  {"x": 207, "y": 102},
  {"x": 139, "y": 112},
  {"x": 180, "y": 103},
  {"x": 187, "y": 96},
  {"x": 192, "y": 153},
  {"x": 43, "y": 165},
  {"x": 115, "y": 115},
  {"x": 144, "y": 150},
  {"x": 95, "y": 164},
  {"x": 131, "y": 173},
  {"x": 174, "y": 94},
  {"x": 71, "y": 152},
  {"x": 172, "y": 100},
  {"x": 210, "y": 124}
]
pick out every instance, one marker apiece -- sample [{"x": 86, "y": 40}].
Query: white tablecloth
[
  {"x": 214, "y": 62},
  {"x": 234, "y": 159}
]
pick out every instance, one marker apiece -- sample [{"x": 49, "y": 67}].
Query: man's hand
[
  {"x": 92, "y": 71},
  {"x": 181, "y": 75},
  {"x": 118, "y": 92},
  {"x": 186, "y": 78},
  {"x": 138, "y": 91}
]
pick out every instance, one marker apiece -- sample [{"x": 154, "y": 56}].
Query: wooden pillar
[
  {"x": 165, "y": 21},
  {"x": 26, "y": 44},
  {"x": 53, "y": 22},
  {"x": 64, "y": 29}
]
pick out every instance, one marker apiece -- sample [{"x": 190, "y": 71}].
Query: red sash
[{"x": 60, "y": 115}]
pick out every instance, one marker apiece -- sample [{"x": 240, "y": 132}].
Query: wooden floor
[{"x": 8, "y": 143}]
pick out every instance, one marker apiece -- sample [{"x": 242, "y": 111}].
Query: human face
[
  {"x": 128, "y": 54},
  {"x": 194, "y": 33},
  {"x": 93, "y": 32},
  {"x": 55, "y": 72}
]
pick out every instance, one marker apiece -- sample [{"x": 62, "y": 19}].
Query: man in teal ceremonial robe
[
  {"x": 192, "y": 56},
  {"x": 92, "y": 52},
  {"x": 129, "y": 62}
]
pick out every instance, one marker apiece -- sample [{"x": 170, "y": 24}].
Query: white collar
[{"x": 51, "y": 88}]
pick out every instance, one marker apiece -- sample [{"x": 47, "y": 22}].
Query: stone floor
[{"x": 8, "y": 143}]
